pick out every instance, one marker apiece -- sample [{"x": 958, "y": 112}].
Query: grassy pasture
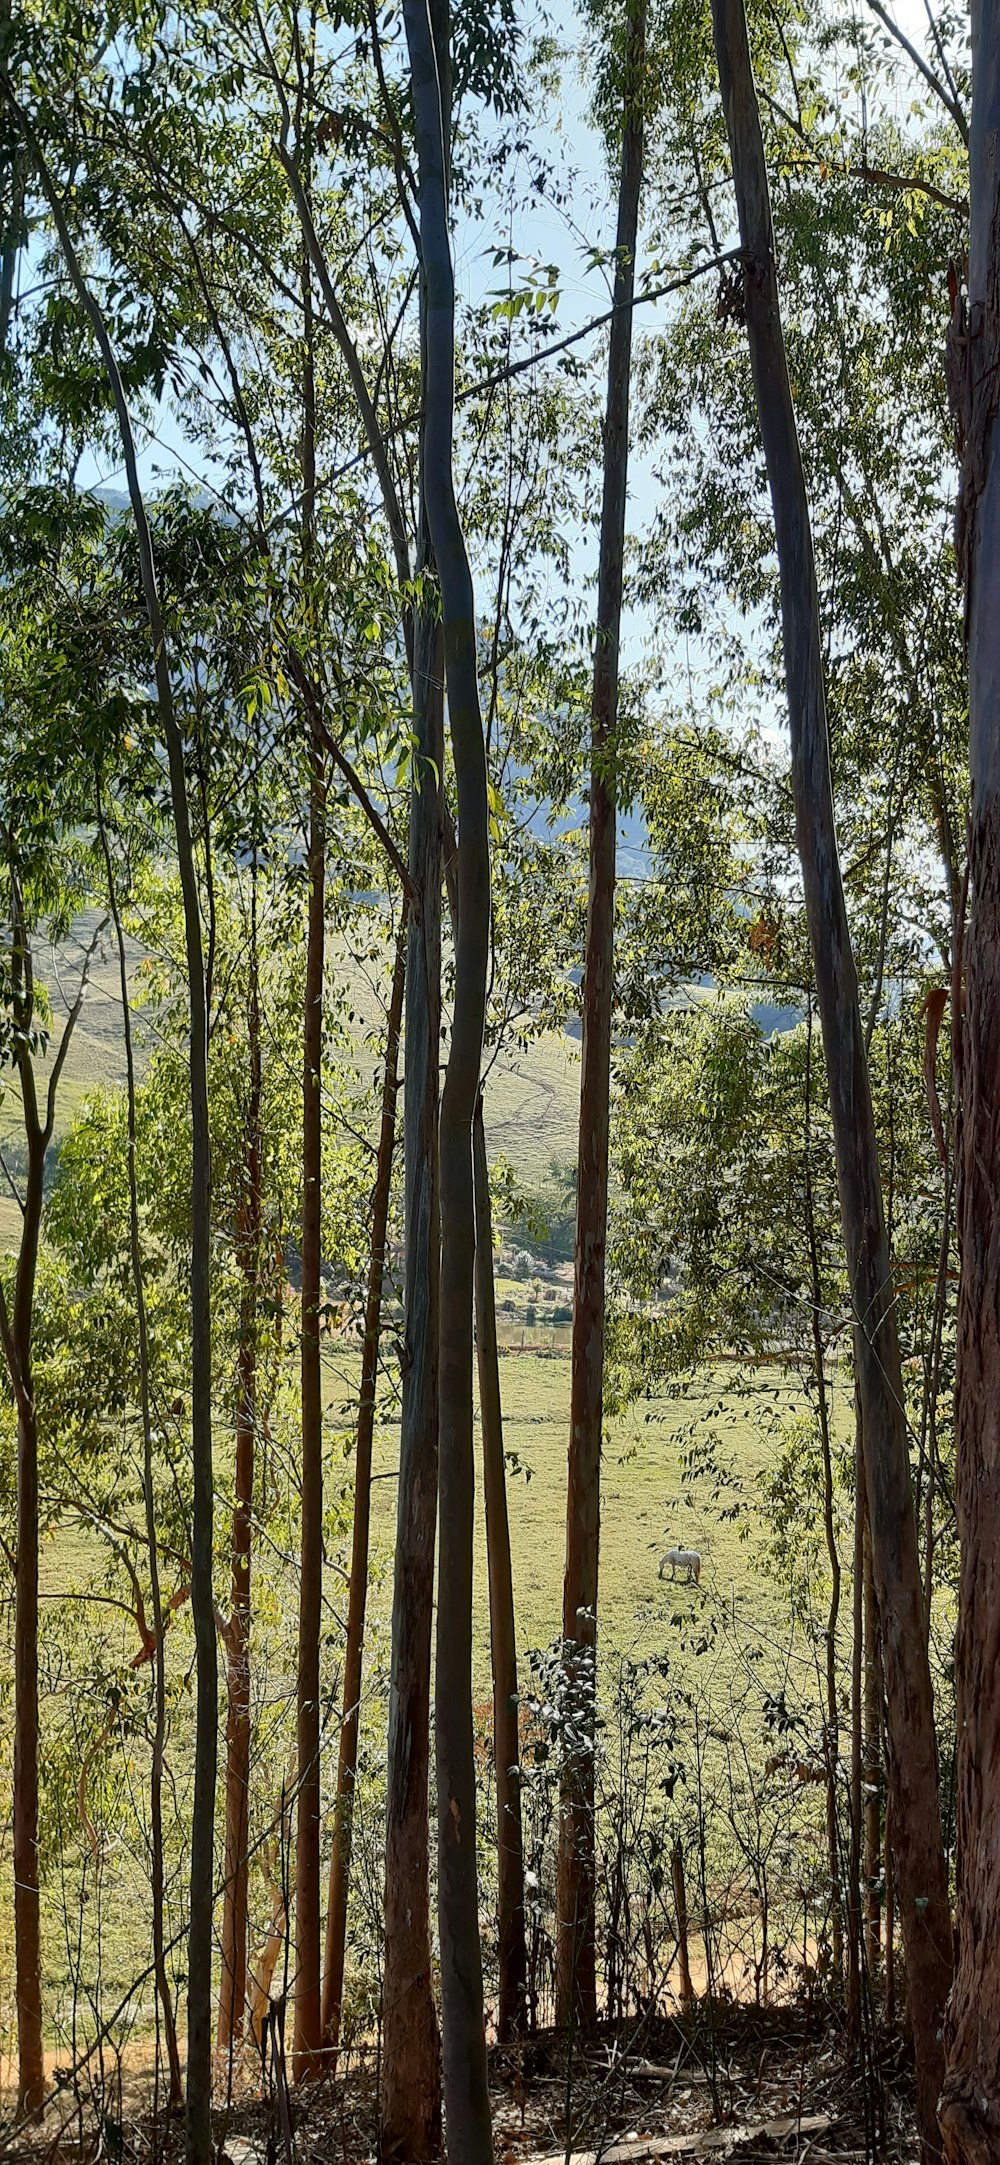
[{"x": 647, "y": 1505}]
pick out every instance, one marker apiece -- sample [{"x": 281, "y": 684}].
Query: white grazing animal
[{"x": 687, "y": 1560}]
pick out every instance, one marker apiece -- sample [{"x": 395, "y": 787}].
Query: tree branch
[
  {"x": 338, "y": 324},
  {"x": 68, "y": 1029},
  {"x": 950, "y": 103}
]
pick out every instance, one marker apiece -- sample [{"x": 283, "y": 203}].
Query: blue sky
[{"x": 549, "y": 236}]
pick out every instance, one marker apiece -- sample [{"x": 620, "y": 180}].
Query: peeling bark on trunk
[
  {"x": 466, "y": 2091},
  {"x": 513, "y": 1953},
  {"x": 410, "y": 2103},
  {"x": 576, "y": 1982},
  {"x": 913, "y": 1772},
  {"x": 236, "y": 1638},
  {"x": 340, "y": 1860},
  {"x": 970, "y": 2113}
]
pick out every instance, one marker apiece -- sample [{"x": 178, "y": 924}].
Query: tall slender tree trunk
[
  {"x": 466, "y": 2091},
  {"x": 513, "y": 1952},
  {"x": 307, "y": 2030},
  {"x": 175, "y": 2091},
  {"x": 831, "y": 1726},
  {"x": 576, "y": 1980},
  {"x": 236, "y": 1637},
  {"x": 347, "y": 1766},
  {"x": 410, "y": 2101},
  {"x": 27, "y": 1917},
  {"x": 17, "y": 1333},
  {"x": 855, "y": 1922},
  {"x": 872, "y": 1760},
  {"x": 970, "y": 2115},
  {"x": 913, "y": 1773},
  {"x": 199, "y": 2058},
  {"x": 410, "y": 2105}
]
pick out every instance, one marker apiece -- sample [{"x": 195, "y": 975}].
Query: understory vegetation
[{"x": 499, "y": 1054}]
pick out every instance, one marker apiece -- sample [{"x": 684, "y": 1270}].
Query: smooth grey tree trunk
[
  {"x": 410, "y": 2100},
  {"x": 466, "y": 2091},
  {"x": 913, "y": 1772}
]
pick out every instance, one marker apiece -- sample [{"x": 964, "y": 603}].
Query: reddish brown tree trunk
[
  {"x": 27, "y": 1919},
  {"x": 27, "y": 1912},
  {"x": 307, "y": 2031},
  {"x": 576, "y": 1981},
  {"x": 410, "y": 2104},
  {"x": 175, "y": 2093},
  {"x": 872, "y": 1761},
  {"x": 199, "y": 1995},
  {"x": 831, "y": 1727},
  {"x": 970, "y": 2115},
  {"x": 513, "y": 1953},
  {"x": 17, "y": 1333},
  {"x": 340, "y": 1860},
  {"x": 681, "y": 1911},
  {"x": 236, "y": 1638},
  {"x": 854, "y": 1908},
  {"x": 921, "y": 1876}
]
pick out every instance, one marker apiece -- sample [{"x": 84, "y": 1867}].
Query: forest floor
[{"x": 732, "y": 2081}]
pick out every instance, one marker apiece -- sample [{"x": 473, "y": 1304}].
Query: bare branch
[{"x": 940, "y": 89}]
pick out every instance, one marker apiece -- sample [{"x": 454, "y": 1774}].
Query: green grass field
[
  {"x": 708, "y": 1632},
  {"x": 647, "y": 1505}
]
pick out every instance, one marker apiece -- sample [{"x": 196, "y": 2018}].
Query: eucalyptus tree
[
  {"x": 970, "y": 2103},
  {"x": 868, "y": 197},
  {"x": 466, "y": 2089},
  {"x": 55, "y": 724},
  {"x": 175, "y": 2097},
  {"x": 223, "y": 261},
  {"x": 877, "y": 490},
  {"x": 519, "y": 504},
  {"x": 576, "y": 1993},
  {"x": 910, "y": 1712},
  {"x": 347, "y": 1761},
  {"x": 200, "y": 1934}
]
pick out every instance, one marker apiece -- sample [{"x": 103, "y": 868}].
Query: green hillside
[{"x": 531, "y": 1097}]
